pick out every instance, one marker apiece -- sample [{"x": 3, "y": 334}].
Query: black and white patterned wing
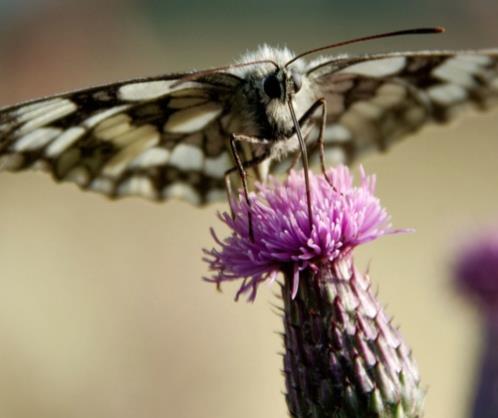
[
  {"x": 374, "y": 101},
  {"x": 154, "y": 138}
]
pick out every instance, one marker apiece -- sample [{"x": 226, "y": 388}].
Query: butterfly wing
[
  {"x": 154, "y": 137},
  {"x": 374, "y": 101}
]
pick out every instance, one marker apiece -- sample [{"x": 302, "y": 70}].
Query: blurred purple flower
[
  {"x": 476, "y": 270},
  {"x": 344, "y": 216},
  {"x": 476, "y": 275}
]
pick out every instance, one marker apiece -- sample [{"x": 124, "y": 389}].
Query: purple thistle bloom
[
  {"x": 476, "y": 274},
  {"x": 343, "y": 356},
  {"x": 344, "y": 216}
]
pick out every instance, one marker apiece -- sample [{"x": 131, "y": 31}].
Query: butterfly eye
[
  {"x": 272, "y": 87},
  {"x": 298, "y": 81}
]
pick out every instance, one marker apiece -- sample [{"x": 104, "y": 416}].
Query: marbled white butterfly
[{"x": 172, "y": 136}]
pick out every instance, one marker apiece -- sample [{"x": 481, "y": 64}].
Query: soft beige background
[{"x": 102, "y": 310}]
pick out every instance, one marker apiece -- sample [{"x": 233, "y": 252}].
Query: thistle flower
[
  {"x": 343, "y": 357},
  {"x": 343, "y": 217},
  {"x": 476, "y": 275}
]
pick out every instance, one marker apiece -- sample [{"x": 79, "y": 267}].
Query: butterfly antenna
[
  {"x": 304, "y": 159},
  {"x": 203, "y": 73},
  {"x": 416, "y": 31}
]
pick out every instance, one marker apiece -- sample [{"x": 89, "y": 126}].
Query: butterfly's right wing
[
  {"x": 155, "y": 138},
  {"x": 374, "y": 101}
]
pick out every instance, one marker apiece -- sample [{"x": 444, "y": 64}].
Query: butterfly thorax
[{"x": 262, "y": 100}]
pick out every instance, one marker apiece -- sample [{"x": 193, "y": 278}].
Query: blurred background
[{"x": 102, "y": 309}]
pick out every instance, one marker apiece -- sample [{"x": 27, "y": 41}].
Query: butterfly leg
[
  {"x": 321, "y": 144},
  {"x": 323, "y": 123},
  {"x": 241, "y": 167}
]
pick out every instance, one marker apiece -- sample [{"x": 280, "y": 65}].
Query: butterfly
[{"x": 177, "y": 136}]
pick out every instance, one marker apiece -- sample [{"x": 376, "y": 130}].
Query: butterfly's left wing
[
  {"x": 157, "y": 138},
  {"x": 374, "y": 101}
]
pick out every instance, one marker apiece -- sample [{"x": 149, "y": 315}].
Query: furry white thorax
[
  {"x": 277, "y": 111},
  {"x": 264, "y": 52},
  {"x": 280, "y": 56}
]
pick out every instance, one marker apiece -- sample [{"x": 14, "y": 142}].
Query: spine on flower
[{"x": 343, "y": 357}]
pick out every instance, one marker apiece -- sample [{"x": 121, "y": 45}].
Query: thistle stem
[
  {"x": 486, "y": 398},
  {"x": 343, "y": 357}
]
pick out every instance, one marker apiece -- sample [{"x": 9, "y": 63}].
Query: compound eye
[
  {"x": 298, "y": 81},
  {"x": 272, "y": 87}
]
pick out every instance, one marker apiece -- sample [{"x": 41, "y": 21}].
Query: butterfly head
[{"x": 281, "y": 84}]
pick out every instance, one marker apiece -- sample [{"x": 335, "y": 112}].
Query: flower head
[
  {"x": 476, "y": 269},
  {"x": 343, "y": 217}
]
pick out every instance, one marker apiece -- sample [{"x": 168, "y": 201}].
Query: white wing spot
[
  {"x": 336, "y": 133},
  {"x": 151, "y": 158},
  {"x": 46, "y": 115},
  {"x": 457, "y": 71},
  {"x": 36, "y": 139},
  {"x": 142, "y": 138},
  {"x": 102, "y": 185},
  {"x": 98, "y": 117},
  {"x": 367, "y": 110},
  {"x": 182, "y": 191},
  {"x": 475, "y": 59},
  {"x": 43, "y": 109},
  {"x": 27, "y": 111},
  {"x": 186, "y": 157},
  {"x": 137, "y": 186},
  {"x": 389, "y": 95},
  {"x": 137, "y": 134},
  {"x": 64, "y": 141},
  {"x": 376, "y": 67},
  {"x": 447, "y": 94},
  {"x": 78, "y": 175},
  {"x": 216, "y": 167},
  {"x": 147, "y": 90},
  {"x": 112, "y": 127},
  {"x": 193, "y": 119}
]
